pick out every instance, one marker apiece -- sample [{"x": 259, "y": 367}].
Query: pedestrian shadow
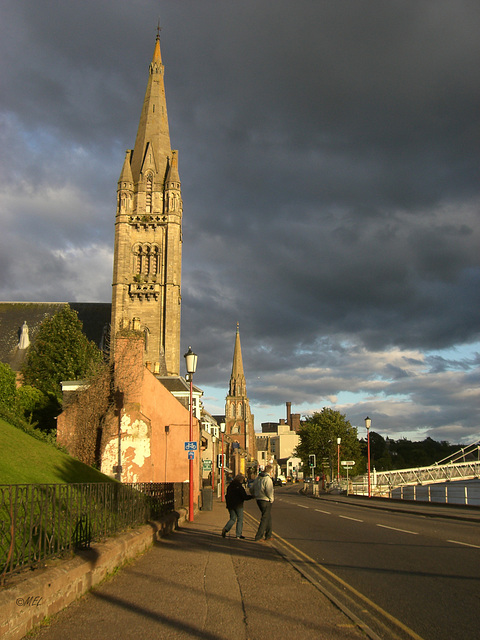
[{"x": 179, "y": 625}]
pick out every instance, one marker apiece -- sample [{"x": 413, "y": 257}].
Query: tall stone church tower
[
  {"x": 148, "y": 234},
  {"x": 239, "y": 423}
]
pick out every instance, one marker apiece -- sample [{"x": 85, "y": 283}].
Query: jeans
[
  {"x": 265, "y": 526},
  {"x": 235, "y": 515}
]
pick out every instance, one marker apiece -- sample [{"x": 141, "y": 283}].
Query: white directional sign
[{"x": 348, "y": 463}]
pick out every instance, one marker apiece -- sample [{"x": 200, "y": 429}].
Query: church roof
[{"x": 95, "y": 317}]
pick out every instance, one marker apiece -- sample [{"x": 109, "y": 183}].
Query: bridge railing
[
  {"x": 432, "y": 474},
  {"x": 40, "y": 521}
]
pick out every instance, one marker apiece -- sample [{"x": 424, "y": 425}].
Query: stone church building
[
  {"x": 143, "y": 438},
  {"x": 148, "y": 234},
  {"x": 239, "y": 421}
]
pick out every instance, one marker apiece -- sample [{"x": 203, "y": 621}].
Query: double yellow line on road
[{"x": 330, "y": 585}]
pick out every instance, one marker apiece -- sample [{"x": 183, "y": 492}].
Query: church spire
[
  {"x": 152, "y": 145},
  {"x": 237, "y": 379},
  {"x": 239, "y": 420},
  {"x": 146, "y": 291}
]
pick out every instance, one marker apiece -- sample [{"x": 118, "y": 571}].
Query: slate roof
[
  {"x": 95, "y": 317},
  {"x": 177, "y": 383}
]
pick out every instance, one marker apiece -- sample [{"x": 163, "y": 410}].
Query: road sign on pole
[
  {"x": 348, "y": 464},
  {"x": 191, "y": 446}
]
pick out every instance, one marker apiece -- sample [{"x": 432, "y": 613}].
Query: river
[{"x": 454, "y": 492}]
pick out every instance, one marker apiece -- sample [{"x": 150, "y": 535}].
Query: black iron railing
[{"x": 40, "y": 521}]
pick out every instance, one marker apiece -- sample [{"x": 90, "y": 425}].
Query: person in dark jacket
[{"x": 235, "y": 497}]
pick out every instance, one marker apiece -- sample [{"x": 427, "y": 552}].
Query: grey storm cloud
[{"x": 329, "y": 156}]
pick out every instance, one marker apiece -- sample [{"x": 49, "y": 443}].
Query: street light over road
[
  {"x": 222, "y": 480},
  {"x": 191, "y": 366},
  {"x": 368, "y": 422},
  {"x": 339, "y": 440}
]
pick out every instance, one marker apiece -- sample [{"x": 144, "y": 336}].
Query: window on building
[{"x": 148, "y": 195}]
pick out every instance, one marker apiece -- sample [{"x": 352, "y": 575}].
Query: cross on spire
[{"x": 159, "y": 28}]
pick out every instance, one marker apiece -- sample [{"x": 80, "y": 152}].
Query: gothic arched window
[
  {"x": 148, "y": 195},
  {"x": 154, "y": 260},
  {"x": 146, "y": 259}
]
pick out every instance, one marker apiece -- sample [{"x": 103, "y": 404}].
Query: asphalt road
[{"x": 422, "y": 572}]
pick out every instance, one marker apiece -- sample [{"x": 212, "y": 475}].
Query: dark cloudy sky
[{"x": 329, "y": 157}]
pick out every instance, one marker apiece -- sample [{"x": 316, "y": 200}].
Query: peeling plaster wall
[
  {"x": 154, "y": 425},
  {"x": 135, "y": 453}
]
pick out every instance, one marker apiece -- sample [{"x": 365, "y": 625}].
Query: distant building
[
  {"x": 264, "y": 451},
  {"x": 239, "y": 420},
  {"x": 278, "y": 442}
]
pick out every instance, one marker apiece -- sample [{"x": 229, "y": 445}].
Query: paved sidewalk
[{"x": 196, "y": 584}]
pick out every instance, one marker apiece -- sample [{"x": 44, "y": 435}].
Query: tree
[
  {"x": 318, "y": 435},
  {"x": 61, "y": 351},
  {"x": 30, "y": 402},
  {"x": 8, "y": 385}
]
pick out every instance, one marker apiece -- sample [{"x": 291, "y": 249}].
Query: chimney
[{"x": 289, "y": 413}]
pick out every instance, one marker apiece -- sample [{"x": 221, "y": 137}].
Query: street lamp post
[
  {"x": 222, "y": 481},
  {"x": 368, "y": 422},
  {"x": 191, "y": 366},
  {"x": 339, "y": 440},
  {"x": 214, "y": 439}
]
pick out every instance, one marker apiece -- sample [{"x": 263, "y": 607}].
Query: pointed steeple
[
  {"x": 126, "y": 179},
  {"x": 237, "y": 379},
  {"x": 173, "y": 179},
  {"x": 239, "y": 421},
  {"x": 153, "y": 136}
]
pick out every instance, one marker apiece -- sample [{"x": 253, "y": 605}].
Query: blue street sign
[
  {"x": 191, "y": 455},
  {"x": 190, "y": 446}
]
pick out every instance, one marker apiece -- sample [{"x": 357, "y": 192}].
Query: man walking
[{"x": 263, "y": 493}]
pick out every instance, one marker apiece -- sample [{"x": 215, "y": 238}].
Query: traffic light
[
  {"x": 220, "y": 460},
  {"x": 312, "y": 461}
]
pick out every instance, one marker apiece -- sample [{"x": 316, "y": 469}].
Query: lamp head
[
  {"x": 190, "y": 361},
  {"x": 368, "y": 422}
]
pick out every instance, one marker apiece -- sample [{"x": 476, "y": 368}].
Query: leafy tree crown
[{"x": 61, "y": 351}]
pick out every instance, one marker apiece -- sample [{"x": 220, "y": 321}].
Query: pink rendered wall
[
  {"x": 170, "y": 460},
  {"x": 150, "y": 408}
]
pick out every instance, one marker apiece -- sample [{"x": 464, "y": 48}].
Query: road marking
[
  {"x": 347, "y": 518},
  {"x": 384, "y": 526},
  {"x": 303, "y": 506},
  {"x": 320, "y": 511},
  {"x": 347, "y": 588},
  {"x": 465, "y": 544}
]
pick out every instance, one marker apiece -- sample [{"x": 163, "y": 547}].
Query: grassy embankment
[{"x": 24, "y": 459}]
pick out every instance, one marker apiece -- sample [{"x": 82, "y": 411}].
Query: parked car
[{"x": 279, "y": 481}]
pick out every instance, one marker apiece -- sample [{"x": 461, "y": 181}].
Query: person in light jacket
[{"x": 263, "y": 492}]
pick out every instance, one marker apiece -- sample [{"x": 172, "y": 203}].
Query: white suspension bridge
[{"x": 419, "y": 483}]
